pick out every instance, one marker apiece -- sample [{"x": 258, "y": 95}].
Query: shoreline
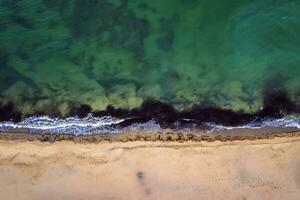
[{"x": 165, "y": 136}]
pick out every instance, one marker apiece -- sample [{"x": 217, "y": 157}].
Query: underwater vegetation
[
  {"x": 276, "y": 105},
  {"x": 223, "y": 60}
]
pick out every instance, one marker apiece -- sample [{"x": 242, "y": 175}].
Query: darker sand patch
[{"x": 166, "y": 136}]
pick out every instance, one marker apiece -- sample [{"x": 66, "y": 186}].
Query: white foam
[
  {"x": 73, "y": 125},
  {"x": 286, "y": 122},
  {"x": 100, "y": 125}
]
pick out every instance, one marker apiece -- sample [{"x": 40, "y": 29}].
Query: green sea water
[{"x": 224, "y": 53}]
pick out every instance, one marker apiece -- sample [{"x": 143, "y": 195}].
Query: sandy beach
[{"x": 247, "y": 169}]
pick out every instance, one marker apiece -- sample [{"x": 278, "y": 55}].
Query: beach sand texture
[{"x": 248, "y": 169}]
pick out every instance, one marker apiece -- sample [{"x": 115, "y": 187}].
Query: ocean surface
[{"x": 63, "y": 61}]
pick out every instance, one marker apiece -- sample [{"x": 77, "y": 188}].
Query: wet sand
[{"x": 266, "y": 168}]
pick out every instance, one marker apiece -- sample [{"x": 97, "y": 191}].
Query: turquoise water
[{"x": 225, "y": 54}]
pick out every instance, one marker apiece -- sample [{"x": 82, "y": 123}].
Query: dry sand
[{"x": 248, "y": 169}]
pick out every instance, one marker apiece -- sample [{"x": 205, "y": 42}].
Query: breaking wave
[
  {"x": 91, "y": 125},
  {"x": 286, "y": 122}
]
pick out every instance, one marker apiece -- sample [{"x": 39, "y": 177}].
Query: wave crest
[{"x": 109, "y": 125}]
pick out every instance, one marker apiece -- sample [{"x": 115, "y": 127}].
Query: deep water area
[{"x": 226, "y": 61}]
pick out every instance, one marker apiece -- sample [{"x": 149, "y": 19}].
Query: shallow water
[{"x": 229, "y": 54}]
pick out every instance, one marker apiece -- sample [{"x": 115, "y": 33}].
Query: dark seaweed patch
[
  {"x": 276, "y": 105},
  {"x": 80, "y": 110},
  {"x": 276, "y": 100},
  {"x": 8, "y": 112},
  {"x": 51, "y": 109}
]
